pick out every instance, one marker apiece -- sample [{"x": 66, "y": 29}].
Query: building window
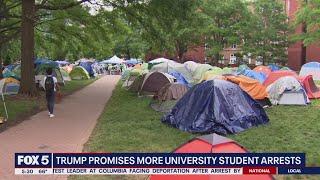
[
  {"x": 234, "y": 46},
  {"x": 233, "y": 59},
  {"x": 259, "y": 61}
]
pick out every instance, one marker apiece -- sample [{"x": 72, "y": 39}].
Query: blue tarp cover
[
  {"x": 274, "y": 67},
  {"x": 261, "y": 77},
  {"x": 180, "y": 78},
  {"x": 216, "y": 106}
]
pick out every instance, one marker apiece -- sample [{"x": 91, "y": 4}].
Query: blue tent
[
  {"x": 180, "y": 78},
  {"x": 216, "y": 106},
  {"x": 48, "y": 62},
  {"x": 133, "y": 61},
  {"x": 261, "y": 77},
  {"x": 88, "y": 66},
  {"x": 274, "y": 67}
]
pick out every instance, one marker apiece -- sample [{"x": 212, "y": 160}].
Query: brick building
[
  {"x": 295, "y": 50},
  {"x": 229, "y": 53}
]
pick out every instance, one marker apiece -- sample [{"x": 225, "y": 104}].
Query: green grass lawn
[
  {"x": 20, "y": 108},
  {"x": 128, "y": 124}
]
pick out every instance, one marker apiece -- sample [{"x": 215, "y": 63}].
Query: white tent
[
  {"x": 287, "y": 91},
  {"x": 311, "y": 68},
  {"x": 160, "y": 60},
  {"x": 114, "y": 60}
]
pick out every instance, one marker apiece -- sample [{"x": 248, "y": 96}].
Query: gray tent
[{"x": 287, "y": 91}]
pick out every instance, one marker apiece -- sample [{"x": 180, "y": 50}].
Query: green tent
[
  {"x": 227, "y": 70},
  {"x": 215, "y": 71},
  {"x": 65, "y": 75},
  {"x": 200, "y": 70},
  {"x": 242, "y": 68},
  {"x": 79, "y": 73},
  {"x": 42, "y": 68}
]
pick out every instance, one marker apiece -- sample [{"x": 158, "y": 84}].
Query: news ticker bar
[
  {"x": 162, "y": 163},
  {"x": 168, "y": 171}
]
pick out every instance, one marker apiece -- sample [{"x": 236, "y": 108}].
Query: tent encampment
[
  {"x": 311, "y": 68},
  {"x": 310, "y": 87},
  {"x": 154, "y": 81},
  {"x": 255, "y": 89},
  {"x": 216, "y": 106},
  {"x": 264, "y": 69},
  {"x": 79, "y": 73},
  {"x": 211, "y": 143},
  {"x": 273, "y": 76},
  {"x": 287, "y": 91},
  {"x": 167, "y": 96}
]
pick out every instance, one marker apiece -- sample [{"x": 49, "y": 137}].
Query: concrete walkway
[{"x": 75, "y": 119}]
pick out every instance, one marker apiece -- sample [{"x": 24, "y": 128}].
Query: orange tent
[
  {"x": 311, "y": 88},
  {"x": 264, "y": 69},
  {"x": 251, "y": 86},
  {"x": 275, "y": 75},
  {"x": 211, "y": 143}
]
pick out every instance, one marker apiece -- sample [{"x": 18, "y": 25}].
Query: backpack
[{"x": 49, "y": 85}]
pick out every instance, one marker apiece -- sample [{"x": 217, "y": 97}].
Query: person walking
[{"x": 51, "y": 86}]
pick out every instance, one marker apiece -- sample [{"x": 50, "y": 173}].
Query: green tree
[
  {"x": 268, "y": 33},
  {"x": 309, "y": 15},
  {"x": 226, "y": 24}
]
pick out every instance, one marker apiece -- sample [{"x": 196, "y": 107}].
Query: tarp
[
  {"x": 311, "y": 68},
  {"x": 62, "y": 63},
  {"x": 180, "y": 79},
  {"x": 216, "y": 106},
  {"x": 310, "y": 87},
  {"x": 133, "y": 61},
  {"x": 255, "y": 89},
  {"x": 264, "y": 69},
  {"x": 261, "y": 77},
  {"x": 273, "y": 76},
  {"x": 274, "y": 67},
  {"x": 283, "y": 85},
  {"x": 47, "y": 62},
  {"x": 211, "y": 143}
]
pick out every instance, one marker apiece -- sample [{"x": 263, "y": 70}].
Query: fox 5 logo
[{"x": 32, "y": 160}]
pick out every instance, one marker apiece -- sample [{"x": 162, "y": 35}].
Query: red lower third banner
[{"x": 259, "y": 170}]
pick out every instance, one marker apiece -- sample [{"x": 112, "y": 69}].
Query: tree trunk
[
  {"x": 303, "y": 47},
  {"x": 1, "y": 75},
  {"x": 27, "y": 86}
]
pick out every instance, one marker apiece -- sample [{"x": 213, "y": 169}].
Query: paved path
[{"x": 75, "y": 119}]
